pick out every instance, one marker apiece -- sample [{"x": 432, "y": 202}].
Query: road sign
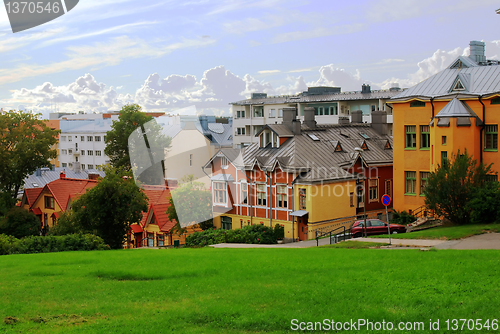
[{"x": 386, "y": 200}]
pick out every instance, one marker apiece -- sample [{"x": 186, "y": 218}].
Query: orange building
[{"x": 455, "y": 110}]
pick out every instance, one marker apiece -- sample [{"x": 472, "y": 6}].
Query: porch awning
[
  {"x": 37, "y": 211},
  {"x": 222, "y": 177},
  {"x": 299, "y": 213},
  {"x": 136, "y": 228}
]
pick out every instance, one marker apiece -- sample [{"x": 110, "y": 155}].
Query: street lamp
[{"x": 360, "y": 151}]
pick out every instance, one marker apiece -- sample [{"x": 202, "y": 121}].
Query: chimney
[
  {"x": 309, "y": 117},
  {"x": 289, "y": 115},
  {"x": 366, "y": 89},
  {"x": 296, "y": 127},
  {"x": 477, "y": 51},
  {"x": 62, "y": 175},
  {"x": 356, "y": 116},
  {"x": 38, "y": 171},
  {"x": 379, "y": 122},
  {"x": 343, "y": 120}
]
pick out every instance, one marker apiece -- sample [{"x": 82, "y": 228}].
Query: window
[
  {"x": 411, "y": 136},
  {"x": 492, "y": 178},
  {"x": 333, "y": 111},
  {"x": 70, "y": 151},
  {"x": 244, "y": 193},
  {"x": 97, "y": 138},
  {"x": 443, "y": 140},
  {"x": 220, "y": 193},
  {"x": 104, "y": 138},
  {"x": 64, "y": 151},
  {"x": 321, "y": 111},
  {"x": 98, "y": 153},
  {"x": 261, "y": 194},
  {"x": 414, "y": 104},
  {"x": 282, "y": 191},
  {"x": 90, "y": 166},
  {"x": 63, "y": 138},
  {"x": 444, "y": 157},
  {"x": 373, "y": 189},
  {"x": 82, "y": 152},
  {"x": 89, "y": 138},
  {"x": 280, "y": 112},
  {"x": 82, "y": 138},
  {"x": 496, "y": 100},
  {"x": 423, "y": 181},
  {"x": 275, "y": 140},
  {"x": 70, "y": 165},
  {"x": 491, "y": 138},
  {"x": 258, "y": 112},
  {"x": 238, "y": 114},
  {"x": 89, "y": 152},
  {"x": 83, "y": 166},
  {"x": 302, "y": 199},
  {"x": 388, "y": 187},
  {"x": 272, "y": 113},
  {"x": 411, "y": 182},
  {"x": 64, "y": 164},
  {"x": 49, "y": 202},
  {"x": 223, "y": 162},
  {"x": 425, "y": 137},
  {"x": 70, "y": 138},
  {"x": 160, "y": 240},
  {"x": 151, "y": 240},
  {"x": 351, "y": 200},
  {"x": 240, "y": 131},
  {"x": 190, "y": 160},
  {"x": 226, "y": 223}
]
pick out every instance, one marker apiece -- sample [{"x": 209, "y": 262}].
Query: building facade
[
  {"x": 329, "y": 103},
  {"x": 458, "y": 109}
]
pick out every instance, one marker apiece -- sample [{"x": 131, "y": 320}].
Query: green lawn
[
  {"x": 242, "y": 290},
  {"x": 446, "y": 233}
]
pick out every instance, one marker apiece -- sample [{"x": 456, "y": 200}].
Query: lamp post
[{"x": 360, "y": 151}]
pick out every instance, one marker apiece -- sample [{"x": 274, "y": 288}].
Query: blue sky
[{"x": 166, "y": 55}]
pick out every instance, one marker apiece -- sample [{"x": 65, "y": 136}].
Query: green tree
[
  {"x": 453, "y": 185},
  {"x": 118, "y": 145},
  {"x": 26, "y": 143},
  {"x": 108, "y": 209},
  {"x": 20, "y": 223},
  {"x": 485, "y": 206},
  {"x": 194, "y": 205}
]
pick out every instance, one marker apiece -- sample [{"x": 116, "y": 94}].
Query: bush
[
  {"x": 251, "y": 234},
  {"x": 485, "y": 205},
  {"x": 402, "y": 218},
  {"x": 20, "y": 223},
  {"x": 41, "y": 244},
  {"x": 279, "y": 231}
]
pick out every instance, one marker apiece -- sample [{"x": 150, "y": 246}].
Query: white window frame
[
  {"x": 244, "y": 192},
  {"x": 224, "y": 163},
  {"x": 219, "y": 193}
]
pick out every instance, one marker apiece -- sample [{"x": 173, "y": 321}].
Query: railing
[
  {"x": 322, "y": 234},
  {"x": 422, "y": 211}
]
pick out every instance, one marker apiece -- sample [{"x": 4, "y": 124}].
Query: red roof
[
  {"x": 37, "y": 211},
  {"x": 156, "y": 195},
  {"x": 64, "y": 188},
  {"x": 136, "y": 228},
  {"x": 31, "y": 195},
  {"x": 164, "y": 224}
]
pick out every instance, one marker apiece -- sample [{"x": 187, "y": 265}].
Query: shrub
[
  {"x": 402, "y": 218},
  {"x": 41, "y": 244},
  {"x": 485, "y": 205},
  {"x": 279, "y": 231},
  {"x": 20, "y": 223},
  {"x": 251, "y": 234}
]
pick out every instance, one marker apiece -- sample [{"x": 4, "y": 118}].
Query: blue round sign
[{"x": 386, "y": 200}]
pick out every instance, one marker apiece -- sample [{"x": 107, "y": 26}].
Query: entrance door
[{"x": 302, "y": 227}]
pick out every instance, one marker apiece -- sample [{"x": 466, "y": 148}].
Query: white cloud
[
  {"x": 296, "y": 85},
  {"x": 269, "y": 71},
  {"x": 339, "y": 77}
]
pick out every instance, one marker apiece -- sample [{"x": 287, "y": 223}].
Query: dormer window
[
  {"x": 224, "y": 162},
  {"x": 265, "y": 138},
  {"x": 458, "y": 86}
]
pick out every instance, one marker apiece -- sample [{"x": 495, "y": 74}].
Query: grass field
[
  {"x": 446, "y": 233},
  {"x": 243, "y": 290}
]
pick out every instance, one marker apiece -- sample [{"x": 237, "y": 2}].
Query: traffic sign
[{"x": 386, "y": 200}]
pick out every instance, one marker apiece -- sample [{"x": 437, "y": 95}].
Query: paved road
[{"x": 483, "y": 241}]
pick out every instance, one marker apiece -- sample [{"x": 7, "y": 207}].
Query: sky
[{"x": 167, "y": 55}]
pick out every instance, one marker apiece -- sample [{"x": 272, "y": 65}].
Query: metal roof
[
  {"x": 477, "y": 79},
  {"x": 46, "y": 176}
]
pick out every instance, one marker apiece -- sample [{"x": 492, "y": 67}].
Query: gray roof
[
  {"x": 317, "y": 158},
  {"x": 476, "y": 79},
  {"x": 458, "y": 109},
  {"x": 220, "y": 134},
  {"x": 46, "y": 176},
  {"x": 279, "y": 129},
  {"x": 85, "y": 126},
  {"x": 344, "y": 96}
]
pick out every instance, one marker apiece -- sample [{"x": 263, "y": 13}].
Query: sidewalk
[{"x": 483, "y": 241}]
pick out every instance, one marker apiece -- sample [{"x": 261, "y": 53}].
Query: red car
[{"x": 374, "y": 226}]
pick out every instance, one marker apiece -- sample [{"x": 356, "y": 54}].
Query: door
[{"x": 302, "y": 227}]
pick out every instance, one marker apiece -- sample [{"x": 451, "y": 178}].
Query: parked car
[{"x": 374, "y": 226}]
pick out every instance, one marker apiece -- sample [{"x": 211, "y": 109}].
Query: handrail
[
  {"x": 330, "y": 232},
  {"x": 422, "y": 210}
]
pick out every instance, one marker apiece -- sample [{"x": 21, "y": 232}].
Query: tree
[
  {"x": 108, "y": 209},
  {"x": 118, "y": 145},
  {"x": 20, "y": 223},
  {"x": 26, "y": 143},
  {"x": 453, "y": 185},
  {"x": 194, "y": 205}
]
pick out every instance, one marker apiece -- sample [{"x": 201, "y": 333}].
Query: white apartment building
[
  {"x": 250, "y": 116},
  {"x": 82, "y": 143}
]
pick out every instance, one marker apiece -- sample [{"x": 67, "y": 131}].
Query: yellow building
[{"x": 455, "y": 110}]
